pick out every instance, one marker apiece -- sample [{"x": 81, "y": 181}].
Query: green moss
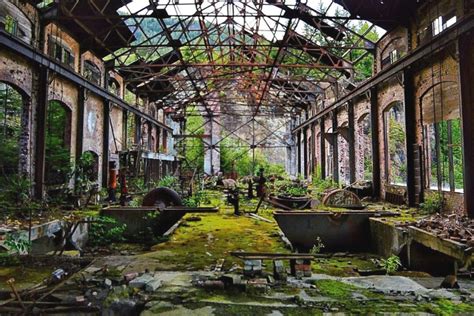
[
  {"x": 342, "y": 266},
  {"x": 335, "y": 289},
  {"x": 198, "y": 245},
  {"x": 25, "y": 277},
  {"x": 446, "y": 307}
]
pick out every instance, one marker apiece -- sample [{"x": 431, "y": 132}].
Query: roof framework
[{"x": 199, "y": 49}]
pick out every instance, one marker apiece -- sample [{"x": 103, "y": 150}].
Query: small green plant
[
  {"x": 169, "y": 182},
  {"x": 18, "y": 190},
  {"x": 434, "y": 203},
  {"x": 391, "y": 264},
  {"x": 105, "y": 230},
  {"x": 17, "y": 244},
  {"x": 194, "y": 200},
  {"x": 318, "y": 245}
]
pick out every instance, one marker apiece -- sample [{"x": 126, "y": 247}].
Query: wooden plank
[{"x": 271, "y": 256}]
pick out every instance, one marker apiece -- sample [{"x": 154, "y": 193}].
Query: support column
[
  {"x": 105, "y": 144},
  {"x": 466, "y": 75},
  {"x": 305, "y": 152},
  {"x": 125, "y": 129},
  {"x": 41, "y": 132},
  {"x": 413, "y": 157},
  {"x": 374, "y": 117},
  {"x": 351, "y": 140},
  {"x": 80, "y": 122},
  {"x": 335, "y": 148},
  {"x": 298, "y": 139},
  {"x": 322, "y": 148},
  {"x": 314, "y": 163}
]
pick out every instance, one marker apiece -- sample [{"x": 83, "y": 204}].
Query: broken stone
[
  {"x": 108, "y": 282},
  {"x": 141, "y": 281},
  {"x": 153, "y": 285}
]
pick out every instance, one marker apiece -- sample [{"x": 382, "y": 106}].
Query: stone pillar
[
  {"x": 374, "y": 115},
  {"x": 322, "y": 148},
  {"x": 305, "y": 152},
  {"x": 335, "y": 147},
  {"x": 40, "y": 140},
  {"x": 105, "y": 144},
  {"x": 351, "y": 141}
]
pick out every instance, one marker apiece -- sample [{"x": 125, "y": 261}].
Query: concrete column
[{"x": 466, "y": 75}]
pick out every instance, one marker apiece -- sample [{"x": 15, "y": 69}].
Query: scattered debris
[{"x": 454, "y": 227}]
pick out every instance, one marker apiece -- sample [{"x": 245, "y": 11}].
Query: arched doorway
[{"x": 58, "y": 144}]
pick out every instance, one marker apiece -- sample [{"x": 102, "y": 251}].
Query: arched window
[
  {"x": 92, "y": 72},
  {"x": 58, "y": 143},
  {"x": 395, "y": 144},
  {"x": 11, "y": 107},
  {"x": 15, "y": 22},
  {"x": 114, "y": 86}
]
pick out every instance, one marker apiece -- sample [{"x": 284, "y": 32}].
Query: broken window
[
  {"x": 61, "y": 53},
  {"x": 395, "y": 144},
  {"x": 11, "y": 25},
  {"x": 11, "y": 104},
  {"x": 92, "y": 72},
  {"x": 441, "y": 23},
  {"x": 442, "y": 138},
  {"x": 114, "y": 87},
  {"x": 58, "y": 144}
]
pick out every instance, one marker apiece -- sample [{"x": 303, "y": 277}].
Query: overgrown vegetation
[
  {"x": 105, "y": 230},
  {"x": 17, "y": 244},
  {"x": 433, "y": 203}
]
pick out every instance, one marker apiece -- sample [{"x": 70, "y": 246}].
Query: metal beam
[
  {"x": 440, "y": 41},
  {"x": 33, "y": 55}
]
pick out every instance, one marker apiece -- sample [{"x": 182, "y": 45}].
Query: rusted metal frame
[
  {"x": 195, "y": 130},
  {"x": 275, "y": 64},
  {"x": 257, "y": 145},
  {"x": 466, "y": 73},
  {"x": 170, "y": 39},
  {"x": 268, "y": 129},
  {"x": 233, "y": 131},
  {"x": 88, "y": 31},
  {"x": 439, "y": 42}
]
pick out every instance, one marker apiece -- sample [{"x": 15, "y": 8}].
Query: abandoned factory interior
[{"x": 236, "y": 157}]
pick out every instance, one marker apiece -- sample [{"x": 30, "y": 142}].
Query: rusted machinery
[{"x": 161, "y": 209}]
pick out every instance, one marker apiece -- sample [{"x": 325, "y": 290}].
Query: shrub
[
  {"x": 105, "y": 230},
  {"x": 433, "y": 203},
  {"x": 17, "y": 244}
]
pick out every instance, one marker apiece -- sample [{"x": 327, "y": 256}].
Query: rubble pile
[{"x": 454, "y": 227}]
